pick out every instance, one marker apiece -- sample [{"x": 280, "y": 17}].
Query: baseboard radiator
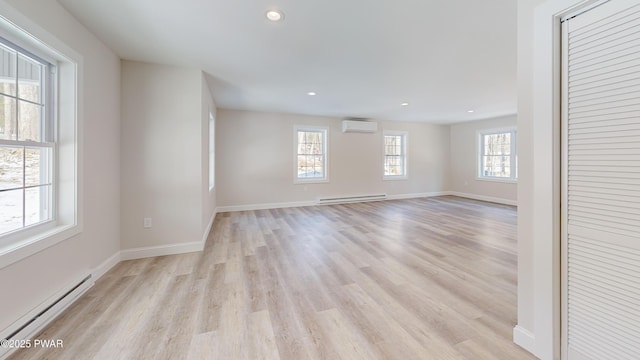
[
  {"x": 29, "y": 326},
  {"x": 351, "y": 199}
]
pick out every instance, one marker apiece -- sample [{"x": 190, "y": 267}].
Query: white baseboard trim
[
  {"x": 151, "y": 251},
  {"x": 417, "y": 195},
  {"x": 106, "y": 265},
  {"x": 266, "y": 206},
  {"x": 205, "y": 236},
  {"x": 170, "y": 249},
  {"x": 484, "y": 198},
  {"x": 524, "y": 338}
]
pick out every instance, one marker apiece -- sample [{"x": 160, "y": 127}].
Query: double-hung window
[
  {"x": 40, "y": 201},
  {"x": 498, "y": 159},
  {"x": 395, "y": 155},
  {"x": 311, "y": 154},
  {"x": 27, "y": 141}
]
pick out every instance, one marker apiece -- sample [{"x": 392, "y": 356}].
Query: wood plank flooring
[{"x": 431, "y": 278}]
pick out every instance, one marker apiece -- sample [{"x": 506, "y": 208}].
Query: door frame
[{"x": 549, "y": 277}]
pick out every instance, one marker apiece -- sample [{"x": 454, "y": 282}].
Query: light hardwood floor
[{"x": 430, "y": 278}]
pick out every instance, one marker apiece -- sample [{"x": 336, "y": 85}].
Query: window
[
  {"x": 212, "y": 151},
  {"x": 497, "y": 155},
  {"x": 311, "y": 154},
  {"x": 395, "y": 155},
  {"x": 40, "y": 90},
  {"x": 26, "y": 139}
]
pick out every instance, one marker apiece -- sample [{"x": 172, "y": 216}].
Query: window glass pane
[
  {"x": 11, "y": 169},
  {"x": 303, "y": 166},
  {"x": 497, "y": 144},
  {"x": 7, "y": 118},
  {"x": 394, "y": 155},
  {"x": 310, "y": 156},
  {"x": 10, "y": 210},
  {"x": 497, "y": 166},
  {"x": 318, "y": 166},
  {"x": 393, "y": 145},
  {"x": 36, "y": 205},
  {"x": 37, "y": 166},
  {"x": 302, "y": 171},
  {"x": 29, "y": 121},
  {"x": 496, "y": 157},
  {"x": 310, "y": 166},
  {"x": 29, "y": 79},
  {"x": 7, "y": 71},
  {"x": 393, "y": 165}
]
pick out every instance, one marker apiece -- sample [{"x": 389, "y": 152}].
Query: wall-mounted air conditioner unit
[{"x": 359, "y": 126}]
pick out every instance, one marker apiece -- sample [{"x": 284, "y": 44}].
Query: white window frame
[
  {"x": 325, "y": 142},
  {"x": 67, "y": 218},
  {"x": 46, "y": 140},
  {"x": 513, "y": 156},
  {"x": 212, "y": 151},
  {"x": 405, "y": 137}
]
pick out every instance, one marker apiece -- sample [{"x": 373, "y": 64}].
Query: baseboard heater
[
  {"x": 351, "y": 199},
  {"x": 30, "y": 325}
]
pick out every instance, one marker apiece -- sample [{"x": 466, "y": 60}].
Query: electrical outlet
[{"x": 148, "y": 223}]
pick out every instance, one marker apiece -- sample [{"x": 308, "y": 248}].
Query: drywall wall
[
  {"x": 31, "y": 281},
  {"x": 464, "y": 162},
  {"x": 162, "y": 121},
  {"x": 525, "y": 331},
  {"x": 256, "y": 161}
]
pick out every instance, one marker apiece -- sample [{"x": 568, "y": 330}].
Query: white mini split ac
[{"x": 359, "y": 126}]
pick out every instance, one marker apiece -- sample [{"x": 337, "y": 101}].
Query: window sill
[
  {"x": 21, "y": 249},
  {"x": 310, "y": 181},
  {"x": 498, "y": 180}
]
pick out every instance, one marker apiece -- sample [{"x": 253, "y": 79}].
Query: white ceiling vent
[{"x": 359, "y": 126}]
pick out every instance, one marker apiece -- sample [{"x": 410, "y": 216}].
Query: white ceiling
[{"x": 362, "y": 57}]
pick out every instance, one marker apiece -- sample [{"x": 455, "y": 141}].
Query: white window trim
[
  {"x": 296, "y": 179},
  {"x": 479, "y": 153},
  {"x": 405, "y": 141},
  {"x": 68, "y": 220}
]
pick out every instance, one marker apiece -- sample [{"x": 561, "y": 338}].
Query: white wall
[
  {"x": 165, "y": 150},
  {"x": 525, "y": 332},
  {"x": 255, "y": 159},
  {"x": 161, "y": 148},
  {"x": 464, "y": 162},
  {"x": 29, "y": 282},
  {"x": 161, "y": 169}
]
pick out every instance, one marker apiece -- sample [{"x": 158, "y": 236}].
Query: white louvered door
[{"x": 601, "y": 183}]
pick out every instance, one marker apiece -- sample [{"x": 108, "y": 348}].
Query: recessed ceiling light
[
  {"x": 274, "y": 15},
  {"x": 404, "y": 104},
  {"x": 471, "y": 111},
  {"x": 311, "y": 93}
]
